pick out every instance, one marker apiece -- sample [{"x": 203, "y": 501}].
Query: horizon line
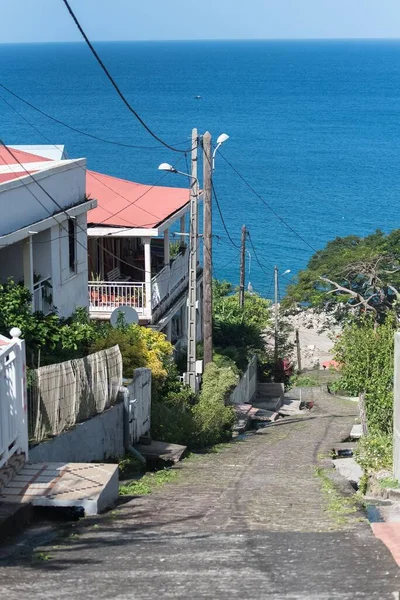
[{"x": 278, "y": 39}]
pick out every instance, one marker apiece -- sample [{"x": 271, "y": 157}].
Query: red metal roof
[
  {"x": 123, "y": 203},
  {"x": 9, "y": 176},
  {"x": 24, "y": 157}
]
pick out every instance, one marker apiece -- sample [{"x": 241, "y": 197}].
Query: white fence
[
  {"x": 247, "y": 386},
  {"x": 13, "y": 403},
  {"x": 138, "y": 405},
  {"x": 168, "y": 282}
]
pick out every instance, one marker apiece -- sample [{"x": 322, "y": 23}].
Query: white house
[
  {"x": 43, "y": 228},
  {"x": 128, "y": 258}
]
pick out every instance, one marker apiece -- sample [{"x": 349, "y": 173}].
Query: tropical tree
[{"x": 361, "y": 273}]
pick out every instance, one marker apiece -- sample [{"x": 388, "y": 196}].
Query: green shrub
[
  {"x": 173, "y": 422},
  {"x": 375, "y": 452},
  {"x": 214, "y": 420},
  {"x": 365, "y": 352},
  {"x": 130, "y": 344}
]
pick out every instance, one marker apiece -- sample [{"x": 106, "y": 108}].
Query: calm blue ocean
[{"x": 314, "y": 128}]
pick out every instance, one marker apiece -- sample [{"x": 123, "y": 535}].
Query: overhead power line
[
  {"x": 222, "y": 218},
  {"x": 80, "y": 131},
  {"x": 63, "y": 210},
  {"x": 93, "y": 176},
  {"x": 267, "y": 204},
  {"x": 256, "y": 255},
  {"x": 115, "y": 85}
]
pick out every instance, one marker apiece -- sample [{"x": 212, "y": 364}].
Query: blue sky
[{"x": 48, "y": 20}]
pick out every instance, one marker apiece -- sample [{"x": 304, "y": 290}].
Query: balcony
[
  {"x": 150, "y": 301},
  {"x": 105, "y": 296}
]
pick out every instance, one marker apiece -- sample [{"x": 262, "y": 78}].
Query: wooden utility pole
[
  {"x": 242, "y": 267},
  {"x": 276, "y": 313},
  {"x": 298, "y": 351},
  {"x": 192, "y": 312},
  {"x": 207, "y": 249}
]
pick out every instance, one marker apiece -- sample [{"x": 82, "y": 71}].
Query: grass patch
[
  {"x": 148, "y": 483},
  {"x": 304, "y": 381},
  {"x": 388, "y": 482},
  {"x": 340, "y": 507},
  {"x": 42, "y": 556}
]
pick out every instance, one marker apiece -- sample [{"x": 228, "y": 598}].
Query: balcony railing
[
  {"x": 42, "y": 296},
  {"x": 105, "y": 296},
  {"x": 166, "y": 286}
]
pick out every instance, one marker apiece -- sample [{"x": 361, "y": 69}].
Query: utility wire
[
  {"x": 266, "y": 204},
  {"x": 65, "y": 212},
  {"x": 222, "y": 217},
  {"x": 114, "y": 84},
  {"x": 93, "y": 176},
  {"x": 80, "y": 131}
]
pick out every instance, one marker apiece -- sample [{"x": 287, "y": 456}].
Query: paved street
[{"x": 249, "y": 521}]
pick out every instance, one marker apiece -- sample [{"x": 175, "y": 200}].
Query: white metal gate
[
  {"x": 13, "y": 405},
  {"x": 139, "y": 405}
]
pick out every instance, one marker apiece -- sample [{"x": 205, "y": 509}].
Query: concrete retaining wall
[{"x": 97, "y": 439}]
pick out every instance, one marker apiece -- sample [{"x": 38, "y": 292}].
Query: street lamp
[
  {"x": 171, "y": 169},
  {"x": 220, "y": 140}
]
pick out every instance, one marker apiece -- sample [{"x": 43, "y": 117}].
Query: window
[{"x": 72, "y": 244}]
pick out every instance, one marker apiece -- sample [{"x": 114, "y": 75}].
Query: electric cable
[
  {"x": 80, "y": 131},
  {"x": 113, "y": 82},
  {"x": 266, "y": 204},
  {"x": 91, "y": 174},
  {"x": 63, "y": 211}
]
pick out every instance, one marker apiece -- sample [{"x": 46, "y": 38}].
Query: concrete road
[{"x": 250, "y": 521}]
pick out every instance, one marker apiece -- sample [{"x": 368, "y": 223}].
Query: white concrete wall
[
  {"x": 65, "y": 183},
  {"x": 41, "y": 250},
  {"x": 70, "y": 289},
  {"x": 97, "y": 439},
  {"x": 11, "y": 264}
]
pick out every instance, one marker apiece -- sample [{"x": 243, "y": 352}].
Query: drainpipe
[{"x": 136, "y": 454}]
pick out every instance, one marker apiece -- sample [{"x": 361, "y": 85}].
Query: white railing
[
  {"x": 13, "y": 400},
  {"x": 42, "y": 295},
  {"x": 170, "y": 280},
  {"x": 105, "y": 296},
  {"x": 247, "y": 387},
  {"x": 138, "y": 405}
]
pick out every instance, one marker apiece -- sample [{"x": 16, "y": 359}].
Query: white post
[
  {"x": 27, "y": 255},
  {"x": 166, "y": 248},
  {"x": 182, "y": 231},
  {"x": 169, "y": 330},
  {"x": 15, "y": 333},
  {"x": 147, "y": 274},
  {"x": 396, "y": 408}
]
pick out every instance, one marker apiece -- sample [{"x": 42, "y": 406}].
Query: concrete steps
[
  {"x": 87, "y": 486},
  {"x": 169, "y": 453}
]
